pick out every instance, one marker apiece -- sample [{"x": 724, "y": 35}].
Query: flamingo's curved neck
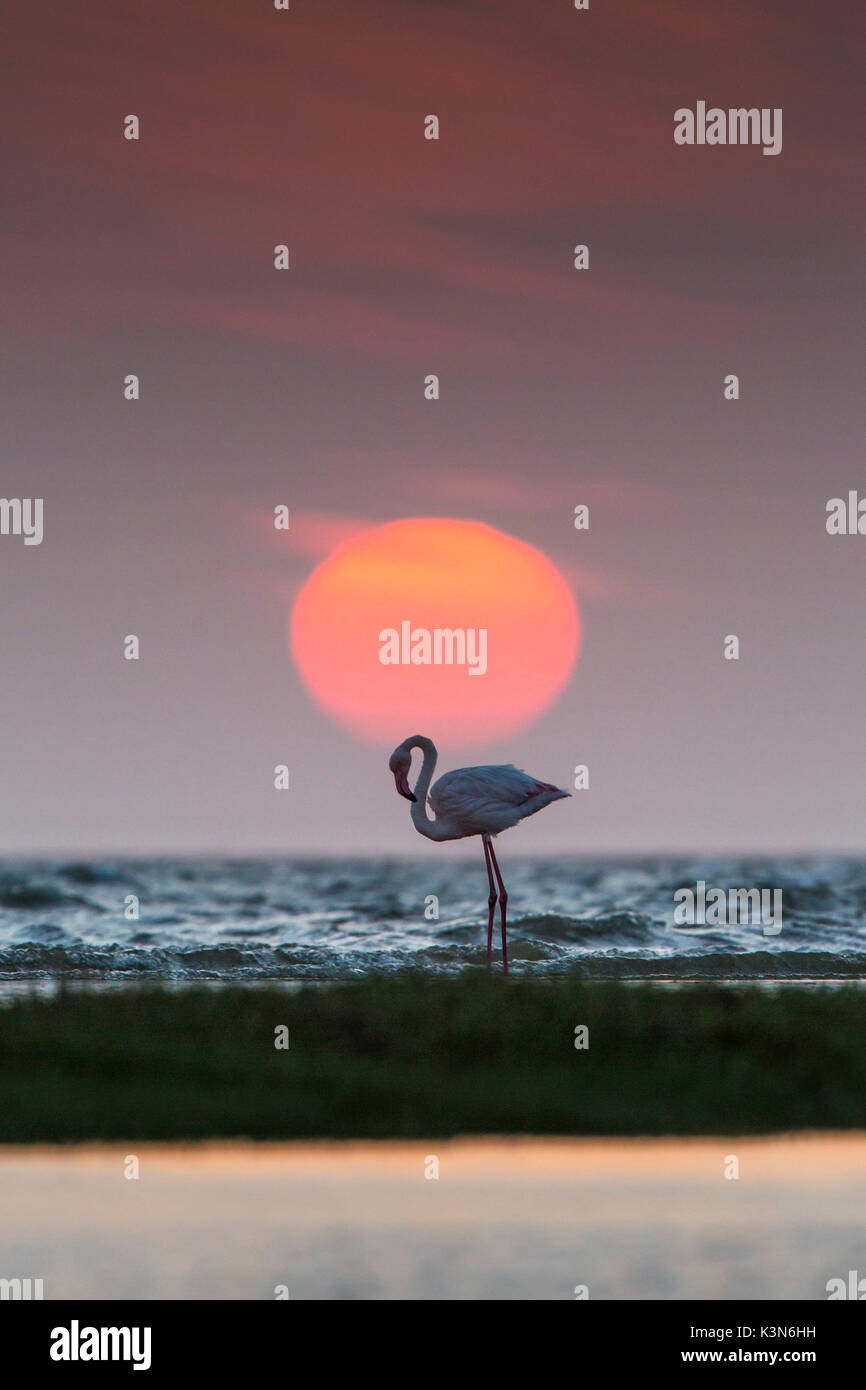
[{"x": 420, "y": 816}]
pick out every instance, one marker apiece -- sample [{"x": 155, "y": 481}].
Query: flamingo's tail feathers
[{"x": 555, "y": 792}]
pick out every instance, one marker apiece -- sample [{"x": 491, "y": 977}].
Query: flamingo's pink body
[{"x": 471, "y": 801}]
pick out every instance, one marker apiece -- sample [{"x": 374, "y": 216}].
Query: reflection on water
[{"x": 505, "y": 1219}]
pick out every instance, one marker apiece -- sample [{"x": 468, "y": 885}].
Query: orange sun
[{"x": 448, "y": 628}]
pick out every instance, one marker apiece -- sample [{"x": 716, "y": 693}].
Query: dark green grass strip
[{"x": 414, "y": 1057}]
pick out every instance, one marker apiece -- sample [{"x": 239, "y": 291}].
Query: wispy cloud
[
  {"x": 249, "y": 138},
  {"x": 313, "y": 535}
]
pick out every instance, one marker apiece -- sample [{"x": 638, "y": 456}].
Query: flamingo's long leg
[
  {"x": 491, "y": 901},
  {"x": 503, "y": 903}
]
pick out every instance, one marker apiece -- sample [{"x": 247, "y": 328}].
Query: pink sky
[{"x": 557, "y": 388}]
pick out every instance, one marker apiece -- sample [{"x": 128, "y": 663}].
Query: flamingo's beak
[{"x": 402, "y": 785}]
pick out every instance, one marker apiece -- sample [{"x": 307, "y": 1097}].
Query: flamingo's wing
[{"x": 480, "y": 796}]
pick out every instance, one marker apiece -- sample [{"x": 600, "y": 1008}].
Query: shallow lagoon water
[{"x": 298, "y": 920}]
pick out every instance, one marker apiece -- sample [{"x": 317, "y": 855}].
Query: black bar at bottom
[{"x": 240, "y": 1338}]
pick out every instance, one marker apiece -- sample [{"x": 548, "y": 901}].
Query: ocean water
[{"x": 297, "y": 920}]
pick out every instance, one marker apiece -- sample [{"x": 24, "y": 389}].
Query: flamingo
[{"x": 471, "y": 801}]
